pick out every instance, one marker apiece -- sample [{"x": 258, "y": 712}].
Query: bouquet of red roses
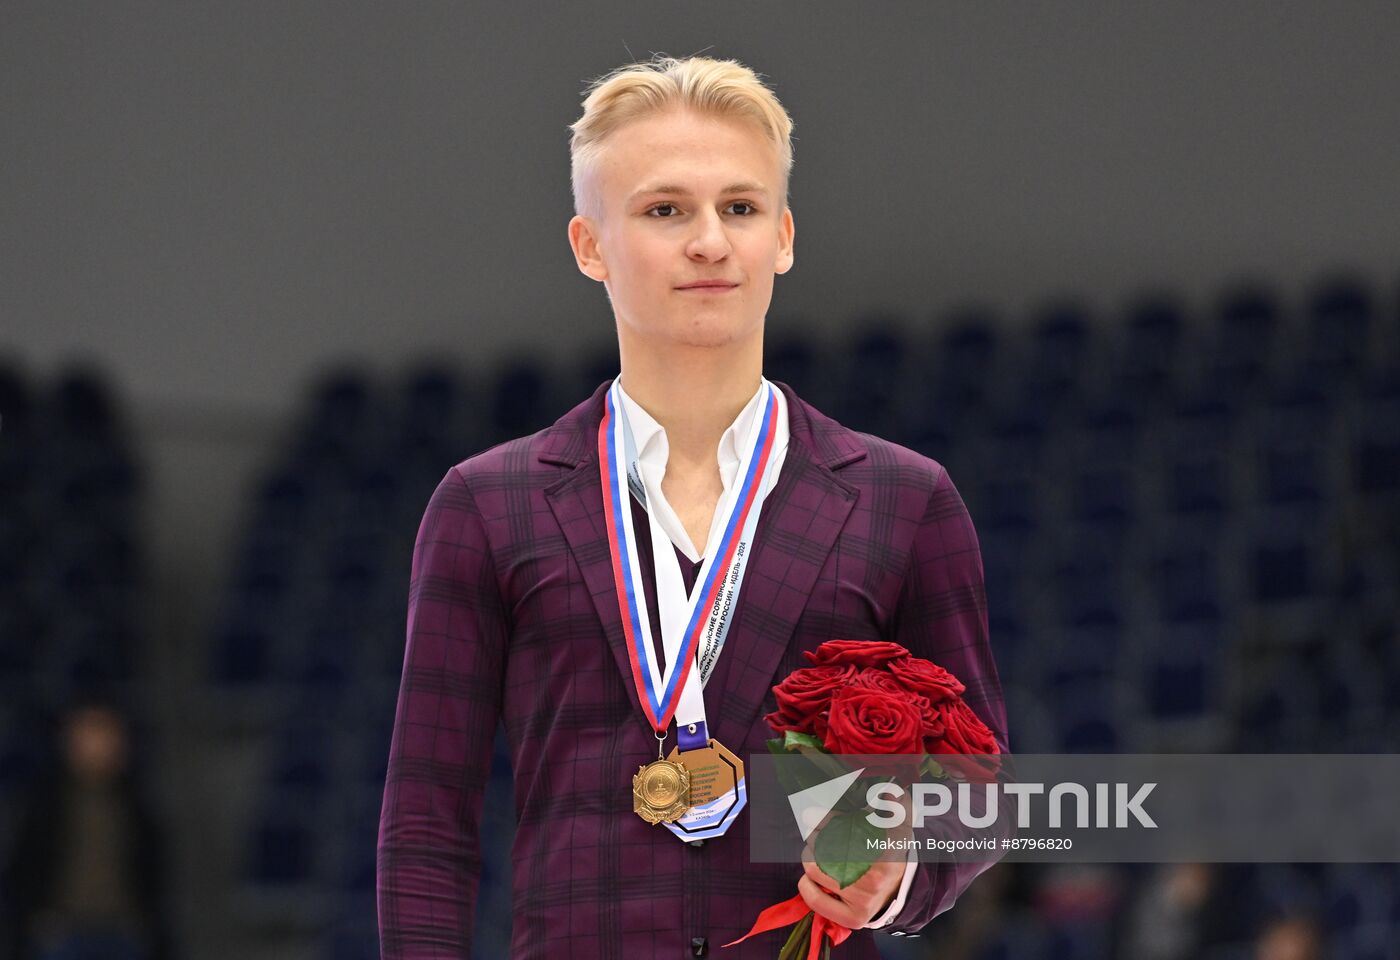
[{"x": 865, "y": 697}]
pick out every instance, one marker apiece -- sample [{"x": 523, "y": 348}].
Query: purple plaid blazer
[{"x": 513, "y": 616}]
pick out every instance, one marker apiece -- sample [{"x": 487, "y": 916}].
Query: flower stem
[{"x": 797, "y": 941}]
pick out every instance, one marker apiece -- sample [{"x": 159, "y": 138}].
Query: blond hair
[{"x": 716, "y": 88}]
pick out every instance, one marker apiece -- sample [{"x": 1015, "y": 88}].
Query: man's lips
[{"x": 712, "y": 286}]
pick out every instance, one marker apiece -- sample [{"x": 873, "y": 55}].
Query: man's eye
[{"x": 672, "y": 206}]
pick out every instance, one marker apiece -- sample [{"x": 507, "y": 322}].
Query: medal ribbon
[{"x": 660, "y": 694}]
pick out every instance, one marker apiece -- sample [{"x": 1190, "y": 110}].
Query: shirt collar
[{"x": 650, "y": 436}]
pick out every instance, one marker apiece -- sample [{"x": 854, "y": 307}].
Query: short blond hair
[{"x": 716, "y": 88}]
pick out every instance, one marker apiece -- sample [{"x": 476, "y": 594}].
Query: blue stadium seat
[
  {"x": 969, "y": 346},
  {"x": 520, "y": 402},
  {"x": 1197, "y": 485},
  {"x": 1340, "y": 316},
  {"x": 961, "y": 378},
  {"x": 1280, "y": 715},
  {"x": 431, "y": 399},
  {"x": 1080, "y": 939},
  {"x": 83, "y": 404},
  {"x": 1013, "y": 439},
  {"x": 1088, "y": 578},
  {"x": 873, "y": 377},
  {"x": 1247, "y": 324},
  {"x": 22, "y": 752},
  {"x": 1288, "y": 555},
  {"x": 794, "y": 360},
  {"x": 340, "y": 406},
  {"x": 1061, "y": 343},
  {"x": 22, "y": 628},
  {"x": 1375, "y": 444},
  {"x": 1303, "y": 405},
  {"x": 1004, "y": 500},
  {"x": 1111, "y": 432},
  {"x": 1154, "y": 332},
  {"x": 1091, "y": 735},
  {"x": 283, "y": 501},
  {"x": 282, "y": 850},
  {"x": 356, "y": 939},
  {"x": 1105, "y": 501},
  {"x": 1204, "y": 417},
  {"x": 301, "y": 764},
  {"x": 16, "y": 403},
  {"x": 1293, "y": 473},
  {"x": 1184, "y": 671},
  {"x": 242, "y": 653}
]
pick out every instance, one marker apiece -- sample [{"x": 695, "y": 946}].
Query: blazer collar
[
  {"x": 573, "y": 438},
  {"x": 802, "y": 516}
]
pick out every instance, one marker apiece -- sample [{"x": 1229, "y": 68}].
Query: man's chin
[{"x": 708, "y": 333}]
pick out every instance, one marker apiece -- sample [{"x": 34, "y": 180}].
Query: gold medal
[
  {"x": 713, "y": 771},
  {"x": 661, "y": 791}
]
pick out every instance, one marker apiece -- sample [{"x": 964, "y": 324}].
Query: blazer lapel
[{"x": 802, "y": 516}]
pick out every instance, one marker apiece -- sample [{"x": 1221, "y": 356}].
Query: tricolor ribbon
[{"x": 660, "y": 704}]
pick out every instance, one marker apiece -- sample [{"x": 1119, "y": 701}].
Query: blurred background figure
[
  {"x": 85, "y": 877},
  {"x": 1176, "y": 913},
  {"x": 1290, "y": 938}
]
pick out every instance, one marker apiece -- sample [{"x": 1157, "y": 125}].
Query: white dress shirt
[{"x": 652, "y": 453}]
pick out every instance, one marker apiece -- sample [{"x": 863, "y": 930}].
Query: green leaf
[
  {"x": 798, "y": 772},
  {"x": 842, "y": 848},
  {"x": 792, "y": 740},
  {"x": 933, "y": 768}
]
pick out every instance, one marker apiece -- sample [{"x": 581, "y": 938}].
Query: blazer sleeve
[
  {"x": 429, "y": 849},
  {"x": 942, "y": 616}
]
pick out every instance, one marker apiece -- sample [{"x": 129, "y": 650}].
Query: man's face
[{"x": 651, "y": 242}]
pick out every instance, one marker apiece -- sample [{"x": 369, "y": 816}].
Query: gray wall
[{"x": 212, "y": 197}]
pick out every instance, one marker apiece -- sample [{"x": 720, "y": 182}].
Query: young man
[{"x": 537, "y": 596}]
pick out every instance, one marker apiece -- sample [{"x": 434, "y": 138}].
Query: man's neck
[{"x": 694, "y": 397}]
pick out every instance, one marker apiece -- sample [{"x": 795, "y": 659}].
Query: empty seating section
[{"x": 71, "y": 568}]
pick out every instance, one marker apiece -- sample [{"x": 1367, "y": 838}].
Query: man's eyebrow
[{"x": 683, "y": 192}]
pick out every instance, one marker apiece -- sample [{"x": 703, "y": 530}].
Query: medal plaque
[{"x": 717, "y": 791}]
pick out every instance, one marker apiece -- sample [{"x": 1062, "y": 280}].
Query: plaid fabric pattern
[{"x": 513, "y": 616}]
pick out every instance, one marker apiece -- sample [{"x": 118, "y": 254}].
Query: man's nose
[{"x": 710, "y": 239}]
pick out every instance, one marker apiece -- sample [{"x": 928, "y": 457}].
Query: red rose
[
  {"x": 925, "y": 677},
  {"x": 862, "y": 653},
  {"x": 934, "y": 725},
  {"x": 865, "y": 720},
  {"x": 874, "y": 678},
  {"x": 931, "y": 721},
  {"x": 805, "y": 697},
  {"x": 964, "y": 733}
]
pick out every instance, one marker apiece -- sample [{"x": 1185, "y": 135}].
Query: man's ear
[
  {"x": 583, "y": 237},
  {"x": 786, "y": 230}
]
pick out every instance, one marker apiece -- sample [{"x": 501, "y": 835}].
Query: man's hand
[
  {"x": 858, "y": 904},
  {"x": 870, "y": 895}
]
